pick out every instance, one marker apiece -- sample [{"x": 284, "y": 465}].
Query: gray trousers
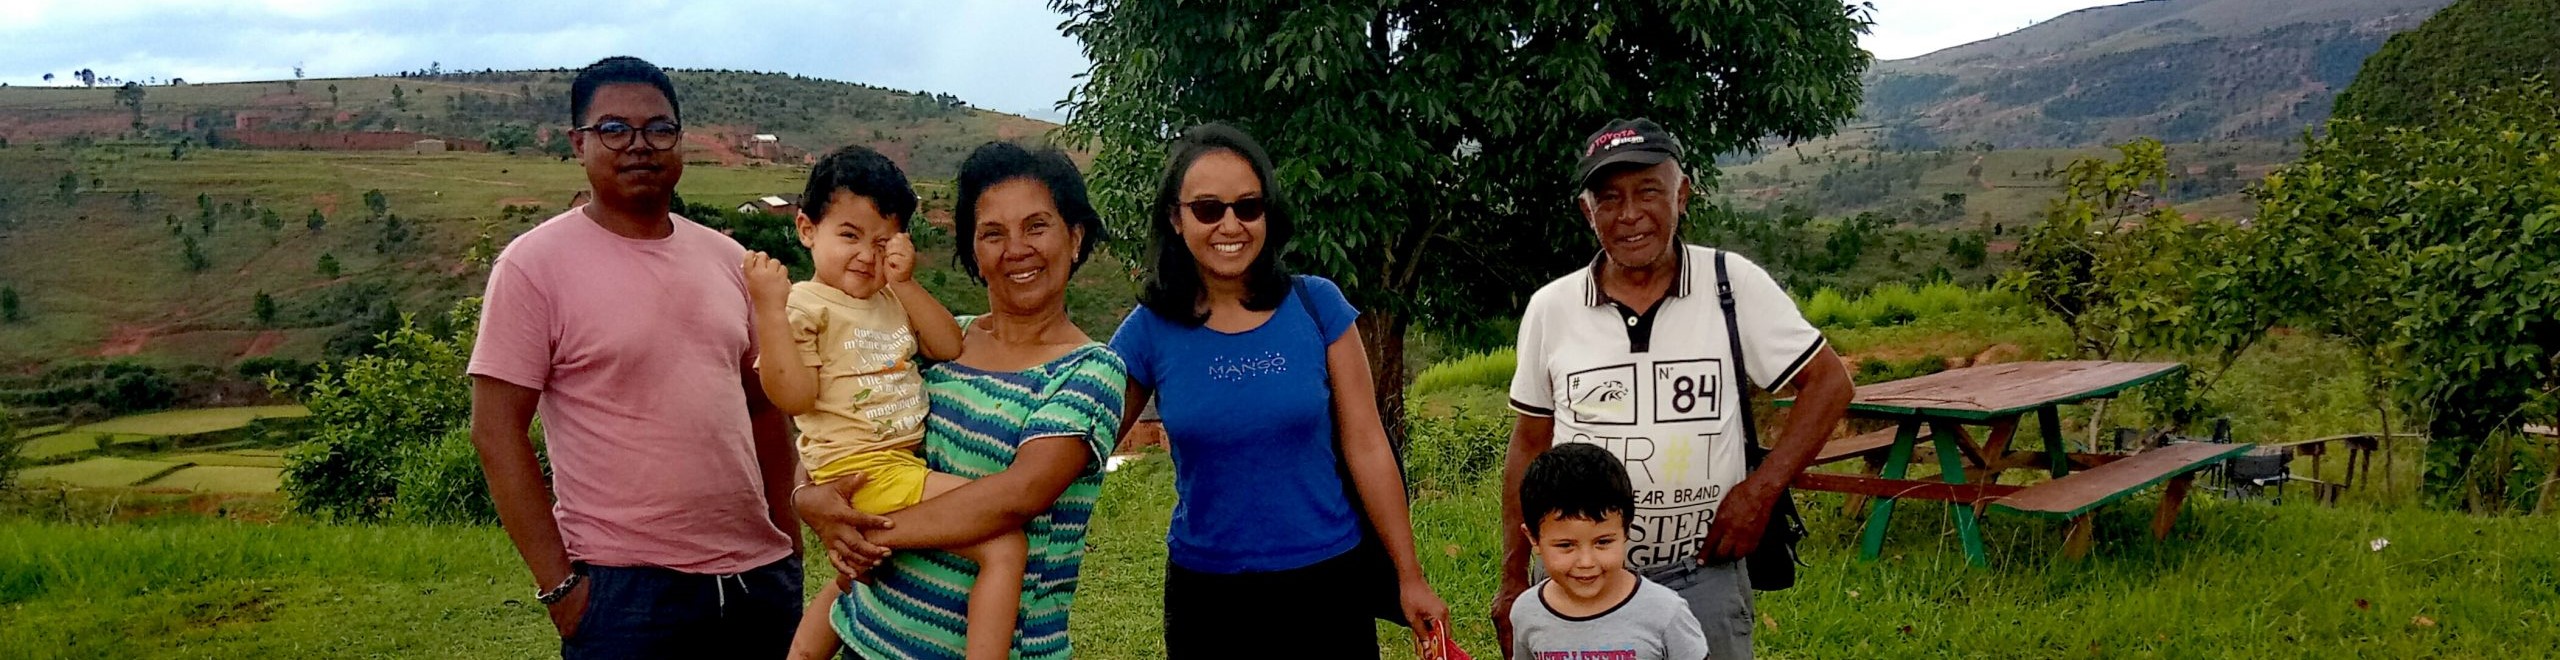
[{"x": 1720, "y": 596}]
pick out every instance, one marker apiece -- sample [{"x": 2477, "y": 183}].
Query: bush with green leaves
[
  {"x": 1463, "y": 446},
  {"x": 2435, "y": 248},
  {"x": 100, "y": 389},
  {"x": 390, "y": 432},
  {"x": 10, "y": 461}
]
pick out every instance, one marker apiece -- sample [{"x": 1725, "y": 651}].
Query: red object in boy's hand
[{"x": 1434, "y": 643}]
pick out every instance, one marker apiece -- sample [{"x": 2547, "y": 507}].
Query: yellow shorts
[{"x": 897, "y": 479}]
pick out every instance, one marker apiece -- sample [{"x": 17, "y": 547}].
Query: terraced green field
[
  {"x": 61, "y": 444},
  {"x": 101, "y": 472},
  {"x": 221, "y": 479},
  {"x": 234, "y": 458},
  {"x": 193, "y": 422}
]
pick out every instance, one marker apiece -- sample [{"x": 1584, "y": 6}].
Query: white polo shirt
[{"x": 1655, "y": 387}]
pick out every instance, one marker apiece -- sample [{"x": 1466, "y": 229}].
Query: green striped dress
[{"x": 917, "y": 605}]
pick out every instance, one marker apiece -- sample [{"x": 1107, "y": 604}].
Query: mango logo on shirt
[{"x": 1228, "y": 369}]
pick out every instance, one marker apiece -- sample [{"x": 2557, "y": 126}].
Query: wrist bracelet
[{"x": 556, "y": 594}]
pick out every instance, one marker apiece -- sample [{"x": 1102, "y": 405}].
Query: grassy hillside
[
  {"x": 2179, "y": 70},
  {"x": 102, "y": 270},
  {"x": 102, "y": 267},
  {"x": 722, "y": 109},
  {"x": 1852, "y": 173}
]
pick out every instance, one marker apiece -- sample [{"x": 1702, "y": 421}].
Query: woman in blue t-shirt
[{"x": 1256, "y": 372}]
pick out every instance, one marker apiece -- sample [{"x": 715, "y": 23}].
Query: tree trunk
[
  {"x": 1383, "y": 334},
  {"x": 2390, "y": 483}
]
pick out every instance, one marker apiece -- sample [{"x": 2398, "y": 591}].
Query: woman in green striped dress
[{"x": 1029, "y": 411}]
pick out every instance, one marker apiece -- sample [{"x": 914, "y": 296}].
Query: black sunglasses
[
  {"x": 619, "y": 135},
  {"x": 1210, "y": 211}
]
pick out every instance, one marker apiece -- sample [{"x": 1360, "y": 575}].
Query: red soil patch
[
  {"x": 717, "y": 143},
  {"x": 263, "y": 345},
  {"x": 1141, "y": 436},
  {"x": 126, "y": 340},
  {"x": 327, "y": 203},
  {"x": 40, "y": 125}
]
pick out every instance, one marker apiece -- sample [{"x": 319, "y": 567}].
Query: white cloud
[
  {"x": 1000, "y": 54},
  {"x": 1912, "y": 28}
]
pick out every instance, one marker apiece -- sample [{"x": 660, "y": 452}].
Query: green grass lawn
[
  {"x": 2237, "y": 579},
  {"x": 48, "y": 429},
  {"x": 192, "y": 422},
  {"x": 221, "y": 479},
  {"x": 101, "y": 472}
]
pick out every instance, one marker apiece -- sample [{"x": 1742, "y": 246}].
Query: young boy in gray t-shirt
[{"x": 1576, "y": 498}]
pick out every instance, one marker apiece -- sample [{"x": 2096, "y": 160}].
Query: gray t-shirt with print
[{"x": 1652, "y": 624}]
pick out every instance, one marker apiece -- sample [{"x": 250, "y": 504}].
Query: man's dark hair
[
  {"x": 1575, "y": 480},
  {"x": 1173, "y": 281},
  {"x": 617, "y": 70},
  {"x": 865, "y": 173},
  {"x": 998, "y": 162}
]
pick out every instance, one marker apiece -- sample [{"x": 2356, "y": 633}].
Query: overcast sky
[{"x": 998, "y": 54}]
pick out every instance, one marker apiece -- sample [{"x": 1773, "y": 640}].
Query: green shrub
[
  {"x": 292, "y": 374},
  {"x": 100, "y": 389},
  {"x": 1898, "y": 304},
  {"x": 10, "y": 443},
  {"x": 1492, "y": 369},
  {"x": 440, "y": 482},
  {"x": 390, "y": 432},
  {"x": 1878, "y": 370},
  {"x": 1450, "y": 452}
]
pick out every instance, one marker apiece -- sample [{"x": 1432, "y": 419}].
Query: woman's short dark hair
[
  {"x": 865, "y": 173},
  {"x": 617, "y": 70},
  {"x": 1576, "y": 480},
  {"x": 997, "y": 162},
  {"x": 1173, "y": 278}
]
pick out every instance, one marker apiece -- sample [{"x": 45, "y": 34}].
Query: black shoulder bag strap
[
  {"x": 1377, "y": 593},
  {"x": 1773, "y": 563}
]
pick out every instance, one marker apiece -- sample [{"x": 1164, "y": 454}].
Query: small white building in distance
[{"x": 781, "y": 205}]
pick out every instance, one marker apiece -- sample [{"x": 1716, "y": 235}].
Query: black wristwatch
[{"x": 556, "y": 594}]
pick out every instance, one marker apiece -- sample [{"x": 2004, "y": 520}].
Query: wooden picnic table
[{"x": 1938, "y": 408}]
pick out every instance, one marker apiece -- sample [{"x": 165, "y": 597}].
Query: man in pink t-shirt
[{"x": 626, "y": 327}]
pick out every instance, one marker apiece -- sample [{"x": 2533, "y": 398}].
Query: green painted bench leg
[
  {"x": 1951, "y": 469},
  {"x": 2049, "y": 423},
  {"x": 1897, "y": 464}
]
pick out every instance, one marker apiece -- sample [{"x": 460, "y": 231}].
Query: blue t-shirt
[{"x": 1249, "y": 417}]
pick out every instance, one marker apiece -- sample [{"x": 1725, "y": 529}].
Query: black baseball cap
[{"x": 1636, "y": 141}]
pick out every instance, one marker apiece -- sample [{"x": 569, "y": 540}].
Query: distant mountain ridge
[
  {"x": 2179, "y": 70},
  {"x": 724, "y": 112}
]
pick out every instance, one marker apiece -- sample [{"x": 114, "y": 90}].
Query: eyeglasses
[
  {"x": 1210, "y": 211},
  {"x": 619, "y": 135}
]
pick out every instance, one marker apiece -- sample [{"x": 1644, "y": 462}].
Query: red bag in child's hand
[{"x": 1434, "y": 643}]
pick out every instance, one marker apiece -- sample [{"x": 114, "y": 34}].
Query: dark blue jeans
[{"x": 646, "y": 612}]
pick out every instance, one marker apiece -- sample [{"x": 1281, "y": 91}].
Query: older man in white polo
[{"x": 1633, "y": 354}]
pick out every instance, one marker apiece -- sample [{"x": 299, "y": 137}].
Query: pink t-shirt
[{"x": 639, "y": 349}]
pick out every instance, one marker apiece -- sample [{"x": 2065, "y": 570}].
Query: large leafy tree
[
  {"x": 1428, "y": 145},
  {"x": 2468, "y": 46},
  {"x": 2438, "y": 248}
]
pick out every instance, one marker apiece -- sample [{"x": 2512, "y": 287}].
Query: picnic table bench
[{"x": 1938, "y": 407}]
